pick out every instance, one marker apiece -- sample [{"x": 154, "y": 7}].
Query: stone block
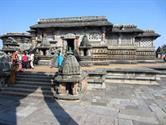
[{"x": 125, "y": 122}]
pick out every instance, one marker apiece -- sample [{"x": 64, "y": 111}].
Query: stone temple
[{"x": 93, "y": 39}]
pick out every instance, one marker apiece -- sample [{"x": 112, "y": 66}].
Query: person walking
[
  {"x": 31, "y": 59},
  {"x": 20, "y": 61},
  {"x": 53, "y": 61},
  {"x": 14, "y": 57},
  {"x": 60, "y": 60},
  {"x": 25, "y": 60}
]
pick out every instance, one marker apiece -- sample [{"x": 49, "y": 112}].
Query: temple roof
[
  {"x": 15, "y": 34},
  {"x": 70, "y": 70},
  {"x": 85, "y": 42},
  {"x": 71, "y": 66},
  {"x": 126, "y": 28},
  {"x": 10, "y": 43},
  {"x": 149, "y": 33},
  {"x": 73, "y": 22}
]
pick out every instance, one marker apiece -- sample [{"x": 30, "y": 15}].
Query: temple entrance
[{"x": 70, "y": 44}]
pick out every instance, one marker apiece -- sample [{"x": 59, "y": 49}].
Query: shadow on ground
[{"x": 12, "y": 110}]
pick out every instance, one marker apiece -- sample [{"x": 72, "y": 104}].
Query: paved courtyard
[
  {"x": 118, "y": 104},
  {"x": 112, "y": 66}
]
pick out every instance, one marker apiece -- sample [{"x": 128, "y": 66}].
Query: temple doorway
[{"x": 70, "y": 44}]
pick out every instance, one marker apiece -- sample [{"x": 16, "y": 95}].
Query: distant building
[{"x": 14, "y": 41}]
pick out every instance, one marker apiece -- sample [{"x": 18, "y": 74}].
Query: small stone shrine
[
  {"x": 85, "y": 52},
  {"x": 70, "y": 82}
]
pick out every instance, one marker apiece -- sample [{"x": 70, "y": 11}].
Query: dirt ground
[{"x": 111, "y": 66}]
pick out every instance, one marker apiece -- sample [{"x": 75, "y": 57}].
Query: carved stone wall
[
  {"x": 126, "y": 40},
  {"x": 94, "y": 35},
  {"x": 114, "y": 45},
  {"x": 99, "y": 53},
  {"x": 144, "y": 42},
  {"x": 122, "y": 54},
  {"x": 112, "y": 40},
  {"x": 145, "y": 54}
]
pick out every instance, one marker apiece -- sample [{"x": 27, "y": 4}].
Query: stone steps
[
  {"x": 143, "y": 76},
  {"x": 35, "y": 75},
  {"x": 31, "y": 84}
]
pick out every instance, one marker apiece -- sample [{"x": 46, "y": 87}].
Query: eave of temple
[
  {"x": 15, "y": 35},
  {"x": 85, "y": 21},
  {"x": 148, "y": 33},
  {"x": 128, "y": 28}
]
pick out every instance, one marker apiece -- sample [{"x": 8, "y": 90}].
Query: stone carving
[
  {"x": 45, "y": 42},
  {"x": 85, "y": 52},
  {"x": 95, "y": 36},
  {"x": 69, "y": 36},
  {"x": 69, "y": 82}
]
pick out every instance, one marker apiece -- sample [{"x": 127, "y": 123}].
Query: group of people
[
  {"x": 24, "y": 60},
  {"x": 57, "y": 60}
]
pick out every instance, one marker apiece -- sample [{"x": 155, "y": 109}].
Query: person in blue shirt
[{"x": 60, "y": 59}]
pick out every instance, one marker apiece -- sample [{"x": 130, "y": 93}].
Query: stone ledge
[
  {"x": 133, "y": 81},
  {"x": 67, "y": 97}
]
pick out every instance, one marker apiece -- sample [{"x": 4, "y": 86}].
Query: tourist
[
  {"x": 25, "y": 60},
  {"x": 20, "y": 61},
  {"x": 60, "y": 59},
  {"x": 31, "y": 60},
  {"x": 14, "y": 57},
  {"x": 53, "y": 61},
  {"x": 12, "y": 78},
  {"x": 164, "y": 57}
]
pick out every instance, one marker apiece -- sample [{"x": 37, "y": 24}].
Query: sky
[{"x": 18, "y": 15}]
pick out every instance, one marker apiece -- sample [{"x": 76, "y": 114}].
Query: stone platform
[
  {"x": 118, "y": 104},
  {"x": 111, "y": 66},
  {"x": 114, "y": 104}
]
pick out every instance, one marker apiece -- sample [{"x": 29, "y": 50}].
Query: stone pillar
[
  {"x": 132, "y": 40},
  {"x": 81, "y": 52},
  {"x": 140, "y": 42},
  {"x": 75, "y": 88},
  {"x": 63, "y": 46},
  {"x": 152, "y": 43},
  {"x": 88, "y": 52},
  {"x": 62, "y": 87},
  {"x": 120, "y": 39},
  {"x": 103, "y": 33},
  {"x": 77, "y": 43}
]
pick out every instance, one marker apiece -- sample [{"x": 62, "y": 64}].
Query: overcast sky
[{"x": 18, "y": 15}]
